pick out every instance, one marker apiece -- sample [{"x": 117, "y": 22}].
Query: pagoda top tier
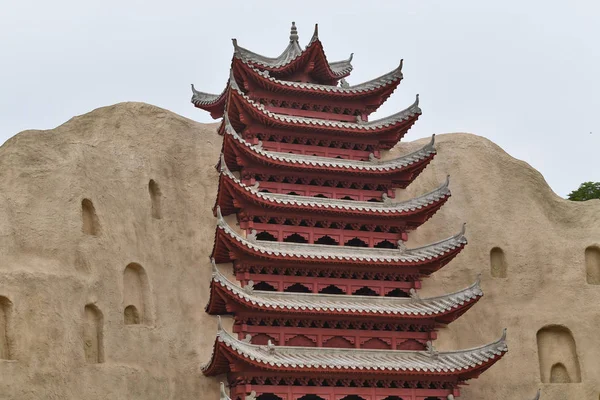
[
  {"x": 308, "y": 65},
  {"x": 366, "y": 97},
  {"x": 462, "y": 364}
]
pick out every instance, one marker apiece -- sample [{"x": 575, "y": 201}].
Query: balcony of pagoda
[
  {"x": 326, "y": 236},
  {"x": 232, "y": 246},
  {"x": 293, "y": 373},
  {"x": 311, "y": 144},
  {"x": 388, "y": 282},
  {"x": 333, "y": 338},
  {"x": 345, "y": 389},
  {"x": 306, "y": 284},
  {"x": 330, "y": 192}
]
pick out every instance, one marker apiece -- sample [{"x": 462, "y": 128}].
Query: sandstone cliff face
[{"x": 106, "y": 228}]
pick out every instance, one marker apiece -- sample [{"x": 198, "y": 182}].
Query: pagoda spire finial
[{"x": 293, "y": 33}]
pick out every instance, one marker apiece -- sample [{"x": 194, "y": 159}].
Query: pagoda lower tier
[
  {"x": 334, "y": 320},
  {"x": 274, "y": 372},
  {"x": 335, "y": 175},
  {"x": 253, "y": 120},
  {"x": 320, "y": 220}
]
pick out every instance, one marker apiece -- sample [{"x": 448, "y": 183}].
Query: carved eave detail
[
  {"x": 402, "y": 119},
  {"x": 443, "y": 309},
  {"x": 412, "y": 161},
  {"x": 311, "y": 253},
  {"x": 462, "y": 364},
  {"x": 418, "y": 205}
]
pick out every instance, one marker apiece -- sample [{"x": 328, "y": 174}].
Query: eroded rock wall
[{"x": 106, "y": 227}]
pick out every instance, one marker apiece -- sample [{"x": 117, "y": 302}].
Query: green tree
[{"x": 586, "y": 191}]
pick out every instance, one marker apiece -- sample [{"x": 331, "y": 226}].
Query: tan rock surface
[{"x": 50, "y": 269}]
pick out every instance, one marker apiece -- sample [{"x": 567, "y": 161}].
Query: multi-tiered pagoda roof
[{"x": 327, "y": 304}]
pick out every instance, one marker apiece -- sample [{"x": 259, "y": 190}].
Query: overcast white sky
[{"x": 524, "y": 74}]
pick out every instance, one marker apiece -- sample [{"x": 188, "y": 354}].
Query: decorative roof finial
[
  {"x": 223, "y": 393},
  {"x": 293, "y": 33}
]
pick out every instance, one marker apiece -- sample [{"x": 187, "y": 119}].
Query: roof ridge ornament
[
  {"x": 251, "y": 237},
  {"x": 344, "y": 83},
  {"x": 219, "y": 326},
  {"x": 215, "y": 270},
  {"x": 294, "y": 33},
  {"x": 414, "y": 295},
  {"x": 431, "y": 351},
  {"x": 224, "y": 395},
  {"x": 251, "y": 396},
  {"x": 249, "y": 288}
]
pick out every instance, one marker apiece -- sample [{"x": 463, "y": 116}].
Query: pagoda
[{"x": 324, "y": 292}]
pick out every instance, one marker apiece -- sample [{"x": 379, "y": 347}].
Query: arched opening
[
  {"x": 320, "y": 195},
  {"x": 301, "y": 340},
  {"x": 293, "y": 194},
  {"x": 498, "y": 263},
  {"x": 295, "y": 238},
  {"x": 6, "y": 344},
  {"x": 266, "y": 236},
  {"x": 432, "y": 398},
  {"x": 131, "y": 316},
  {"x": 374, "y": 200},
  {"x": 346, "y": 198},
  {"x": 356, "y": 242},
  {"x": 397, "y": 293},
  {"x": 136, "y": 295},
  {"x": 155, "y": 198},
  {"x": 328, "y": 240},
  {"x": 89, "y": 218},
  {"x": 264, "y": 191},
  {"x": 265, "y": 286},
  {"x": 268, "y": 396},
  {"x": 592, "y": 265},
  {"x": 393, "y": 398},
  {"x": 297, "y": 288},
  {"x": 311, "y": 397},
  {"x": 93, "y": 335},
  {"x": 375, "y": 344},
  {"x": 365, "y": 291},
  {"x": 338, "y": 342},
  {"x": 352, "y": 397},
  {"x": 559, "y": 374},
  {"x": 332, "y": 289},
  {"x": 557, "y": 354},
  {"x": 385, "y": 244}
]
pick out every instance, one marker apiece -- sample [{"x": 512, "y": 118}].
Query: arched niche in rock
[
  {"x": 498, "y": 266},
  {"x": 155, "y": 199},
  {"x": 93, "y": 334},
  {"x": 6, "y": 344},
  {"x": 89, "y": 218},
  {"x": 557, "y": 354},
  {"x": 137, "y": 305},
  {"x": 592, "y": 265}
]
